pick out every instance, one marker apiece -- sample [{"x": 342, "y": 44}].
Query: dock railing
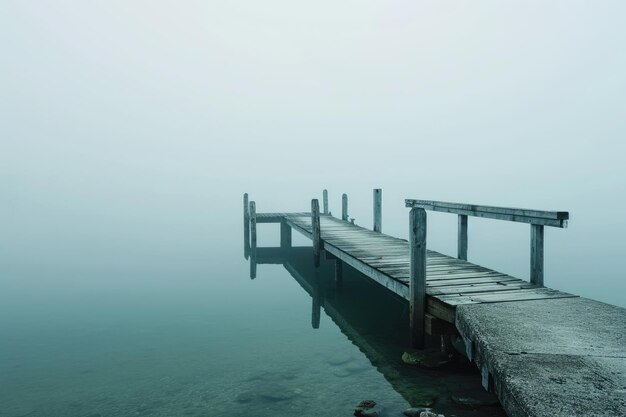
[{"x": 417, "y": 241}]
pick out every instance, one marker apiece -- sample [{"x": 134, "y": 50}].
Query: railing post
[
  {"x": 462, "y": 243},
  {"x": 344, "y": 207},
  {"x": 252, "y": 240},
  {"x": 536, "y": 254},
  {"x": 417, "y": 285},
  {"x": 285, "y": 235},
  {"x": 378, "y": 210},
  {"x": 315, "y": 224},
  {"x": 246, "y": 226},
  {"x": 325, "y": 201}
]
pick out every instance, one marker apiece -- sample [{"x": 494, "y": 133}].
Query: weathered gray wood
[
  {"x": 285, "y": 235},
  {"x": 536, "y": 254},
  {"x": 378, "y": 210},
  {"x": 316, "y": 301},
  {"x": 547, "y": 218},
  {"x": 317, "y": 239},
  {"x": 417, "y": 285},
  {"x": 246, "y": 226},
  {"x": 253, "y": 253},
  {"x": 325, "y": 201},
  {"x": 344, "y": 207},
  {"x": 462, "y": 242}
]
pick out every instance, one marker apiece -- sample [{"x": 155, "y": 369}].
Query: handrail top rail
[{"x": 540, "y": 217}]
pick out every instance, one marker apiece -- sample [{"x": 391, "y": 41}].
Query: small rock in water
[
  {"x": 428, "y": 358},
  {"x": 367, "y": 404},
  {"x": 430, "y": 414},
  {"x": 415, "y": 411}
]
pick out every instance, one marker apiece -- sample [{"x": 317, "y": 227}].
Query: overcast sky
[{"x": 127, "y": 124}]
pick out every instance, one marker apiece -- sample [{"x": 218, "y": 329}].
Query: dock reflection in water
[{"x": 377, "y": 322}]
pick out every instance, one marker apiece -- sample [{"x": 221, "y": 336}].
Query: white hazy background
[{"x": 130, "y": 129}]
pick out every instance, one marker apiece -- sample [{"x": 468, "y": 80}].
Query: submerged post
[
  {"x": 252, "y": 240},
  {"x": 325, "y": 201},
  {"x": 536, "y": 254},
  {"x": 315, "y": 224},
  {"x": 378, "y": 210},
  {"x": 246, "y": 226},
  {"x": 344, "y": 207},
  {"x": 338, "y": 272},
  {"x": 417, "y": 285},
  {"x": 462, "y": 243},
  {"x": 285, "y": 235}
]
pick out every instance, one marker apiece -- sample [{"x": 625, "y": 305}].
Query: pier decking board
[{"x": 385, "y": 258}]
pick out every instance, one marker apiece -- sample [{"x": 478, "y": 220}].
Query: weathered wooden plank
[
  {"x": 417, "y": 285},
  {"x": 546, "y": 218}
]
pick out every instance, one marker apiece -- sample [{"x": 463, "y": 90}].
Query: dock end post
[
  {"x": 417, "y": 284},
  {"x": 325, "y": 201},
  {"x": 246, "y": 226},
  {"x": 462, "y": 238},
  {"x": 315, "y": 225},
  {"x": 344, "y": 207},
  {"x": 252, "y": 240}
]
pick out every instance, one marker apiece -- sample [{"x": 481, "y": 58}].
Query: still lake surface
[{"x": 207, "y": 341}]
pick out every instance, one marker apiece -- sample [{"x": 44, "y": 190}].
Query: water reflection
[{"x": 377, "y": 322}]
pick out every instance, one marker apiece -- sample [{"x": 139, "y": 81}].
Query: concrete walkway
[{"x": 558, "y": 357}]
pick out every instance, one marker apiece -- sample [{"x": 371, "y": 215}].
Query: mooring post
[
  {"x": 536, "y": 254},
  {"x": 378, "y": 210},
  {"x": 285, "y": 235},
  {"x": 462, "y": 243},
  {"x": 246, "y": 226},
  {"x": 344, "y": 207},
  {"x": 417, "y": 285},
  {"x": 315, "y": 223},
  {"x": 252, "y": 240},
  {"x": 325, "y": 201}
]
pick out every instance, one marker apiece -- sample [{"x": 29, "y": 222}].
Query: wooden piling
[
  {"x": 316, "y": 301},
  {"x": 285, "y": 235},
  {"x": 344, "y": 207},
  {"x": 536, "y": 254},
  {"x": 378, "y": 210},
  {"x": 417, "y": 284},
  {"x": 246, "y": 226},
  {"x": 338, "y": 272},
  {"x": 462, "y": 242},
  {"x": 325, "y": 201},
  {"x": 315, "y": 222},
  {"x": 252, "y": 240}
]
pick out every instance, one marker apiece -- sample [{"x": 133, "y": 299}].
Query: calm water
[{"x": 205, "y": 340}]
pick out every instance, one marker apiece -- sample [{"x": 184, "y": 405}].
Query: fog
[{"x": 130, "y": 130}]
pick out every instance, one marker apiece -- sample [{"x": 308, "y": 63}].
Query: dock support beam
[
  {"x": 417, "y": 285},
  {"x": 378, "y": 210},
  {"x": 315, "y": 223},
  {"x": 252, "y": 240},
  {"x": 325, "y": 201},
  {"x": 246, "y": 226},
  {"x": 536, "y": 254},
  {"x": 338, "y": 273},
  {"x": 462, "y": 244},
  {"x": 285, "y": 235},
  {"x": 344, "y": 207}
]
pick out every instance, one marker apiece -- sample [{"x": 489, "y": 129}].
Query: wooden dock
[{"x": 445, "y": 295}]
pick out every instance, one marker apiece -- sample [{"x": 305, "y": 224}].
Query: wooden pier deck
[
  {"x": 449, "y": 281},
  {"x": 544, "y": 352}
]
